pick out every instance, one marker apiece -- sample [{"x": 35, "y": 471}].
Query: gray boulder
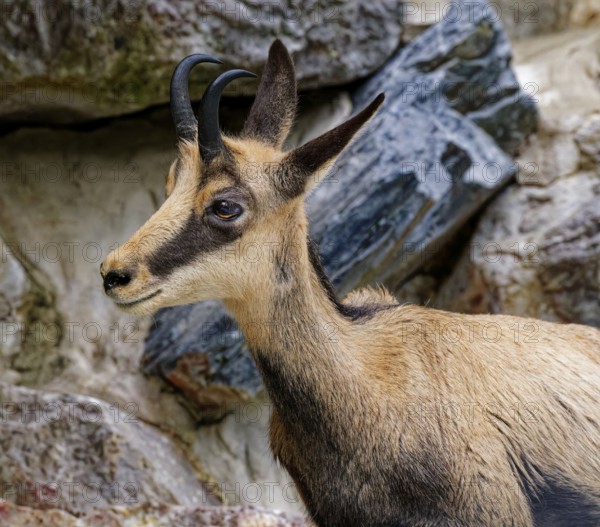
[
  {"x": 535, "y": 253},
  {"x": 436, "y": 152},
  {"x": 536, "y": 250},
  {"x": 77, "y": 454},
  {"x": 149, "y": 516},
  {"x": 79, "y": 61}
]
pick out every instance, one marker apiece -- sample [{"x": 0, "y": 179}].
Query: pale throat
[{"x": 293, "y": 311}]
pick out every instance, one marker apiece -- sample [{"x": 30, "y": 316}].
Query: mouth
[{"x": 138, "y": 301}]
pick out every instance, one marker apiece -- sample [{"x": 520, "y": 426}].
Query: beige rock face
[
  {"x": 521, "y": 18},
  {"x": 14, "y": 288},
  {"x": 535, "y": 253},
  {"x": 524, "y": 19},
  {"x": 585, "y": 13},
  {"x": 561, "y": 71},
  {"x": 536, "y": 250},
  {"x": 83, "y": 191},
  {"x": 248, "y": 473},
  {"x": 27, "y": 312}
]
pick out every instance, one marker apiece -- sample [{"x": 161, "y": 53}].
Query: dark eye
[{"x": 226, "y": 210}]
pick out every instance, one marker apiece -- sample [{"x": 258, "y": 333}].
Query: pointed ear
[
  {"x": 272, "y": 113},
  {"x": 312, "y": 160}
]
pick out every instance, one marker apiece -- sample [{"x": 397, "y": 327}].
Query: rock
[
  {"x": 521, "y": 19},
  {"x": 27, "y": 311},
  {"x": 536, "y": 253},
  {"x": 398, "y": 194},
  {"x": 536, "y": 250},
  {"x": 83, "y": 191},
  {"x": 319, "y": 111},
  {"x": 418, "y": 16},
  {"x": 148, "y": 516},
  {"x": 235, "y": 453},
  {"x": 80, "y": 61},
  {"x": 77, "y": 454},
  {"x": 585, "y": 13},
  {"x": 588, "y": 142},
  {"x": 527, "y": 19},
  {"x": 561, "y": 73},
  {"x": 14, "y": 286}
]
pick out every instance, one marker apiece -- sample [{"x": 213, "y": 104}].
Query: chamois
[{"x": 385, "y": 414}]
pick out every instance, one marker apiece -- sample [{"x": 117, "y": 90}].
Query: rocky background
[{"x": 476, "y": 189}]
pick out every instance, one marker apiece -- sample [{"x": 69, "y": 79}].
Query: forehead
[
  {"x": 250, "y": 172},
  {"x": 252, "y": 166}
]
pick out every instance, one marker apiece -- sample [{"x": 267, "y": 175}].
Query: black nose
[{"x": 115, "y": 279}]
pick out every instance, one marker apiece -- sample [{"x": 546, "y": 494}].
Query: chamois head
[{"x": 226, "y": 196}]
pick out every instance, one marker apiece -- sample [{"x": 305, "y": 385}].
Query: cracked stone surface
[
  {"x": 76, "y": 453},
  {"x": 148, "y": 516},
  {"x": 29, "y": 322},
  {"x": 536, "y": 250},
  {"x": 79, "y": 61},
  {"x": 14, "y": 286}
]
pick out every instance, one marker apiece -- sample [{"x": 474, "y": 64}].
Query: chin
[{"x": 146, "y": 305}]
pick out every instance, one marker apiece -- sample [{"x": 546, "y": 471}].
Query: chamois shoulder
[
  {"x": 367, "y": 302},
  {"x": 370, "y": 296}
]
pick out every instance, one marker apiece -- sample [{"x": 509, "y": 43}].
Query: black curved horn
[
  {"x": 181, "y": 107},
  {"x": 209, "y": 132}
]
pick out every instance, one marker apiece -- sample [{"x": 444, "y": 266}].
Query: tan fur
[
  {"x": 170, "y": 180},
  {"x": 396, "y": 415}
]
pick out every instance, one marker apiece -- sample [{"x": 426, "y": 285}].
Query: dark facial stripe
[{"x": 198, "y": 236}]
